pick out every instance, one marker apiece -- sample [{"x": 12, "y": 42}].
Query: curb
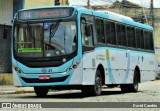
[
  {"x": 7, "y": 92},
  {"x": 18, "y": 91}
]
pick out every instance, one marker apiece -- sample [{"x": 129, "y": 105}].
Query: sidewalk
[{"x": 10, "y": 89}]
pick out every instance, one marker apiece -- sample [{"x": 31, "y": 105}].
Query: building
[
  {"x": 40, "y": 3},
  {"x": 7, "y": 10}
]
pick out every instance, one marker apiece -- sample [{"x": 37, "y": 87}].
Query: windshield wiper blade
[{"x": 53, "y": 30}]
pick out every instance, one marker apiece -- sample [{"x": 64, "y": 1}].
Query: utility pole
[
  {"x": 88, "y": 4},
  {"x": 152, "y": 13},
  {"x": 144, "y": 13}
]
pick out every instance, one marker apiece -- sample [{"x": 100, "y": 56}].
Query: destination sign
[{"x": 44, "y": 13}]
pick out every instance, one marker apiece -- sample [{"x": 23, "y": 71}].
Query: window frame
[
  {"x": 150, "y": 32},
  {"x": 100, "y": 43},
  {"x": 140, "y": 49},
  {"x": 133, "y": 48},
  {"x": 125, "y": 33},
  {"x": 84, "y": 46},
  {"x": 109, "y": 44}
]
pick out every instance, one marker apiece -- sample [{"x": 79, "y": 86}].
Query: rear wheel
[
  {"x": 41, "y": 91},
  {"x": 131, "y": 87},
  {"x": 96, "y": 89}
]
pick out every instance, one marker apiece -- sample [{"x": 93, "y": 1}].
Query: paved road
[{"x": 148, "y": 92}]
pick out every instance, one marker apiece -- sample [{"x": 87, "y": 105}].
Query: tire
[
  {"x": 131, "y": 87},
  {"x": 41, "y": 91},
  {"x": 94, "y": 90}
]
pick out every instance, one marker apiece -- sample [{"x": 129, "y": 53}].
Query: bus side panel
[
  {"x": 126, "y": 61},
  {"x": 112, "y": 66},
  {"x": 89, "y": 76},
  {"x": 148, "y": 67},
  {"x": 89, "y": 68},
  {"x": 123, "y": 62},
  {"x": 133, "y": 64},
  {"x": 146, "y": 63},
  {"x": 77, "y": 77},
  {"x": 91, "y": 61}
]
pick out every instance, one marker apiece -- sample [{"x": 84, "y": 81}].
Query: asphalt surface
[{"x": 148, "y": 92}]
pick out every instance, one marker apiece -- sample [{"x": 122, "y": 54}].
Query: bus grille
[{"x": 36, "y": 80}]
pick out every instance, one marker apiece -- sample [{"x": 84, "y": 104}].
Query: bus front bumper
[{"x": 42, "y": 79}]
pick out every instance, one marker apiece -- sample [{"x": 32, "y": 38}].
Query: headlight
[
  {"x": 17, "y": 69},
  {"x": 74, "y": 66}
]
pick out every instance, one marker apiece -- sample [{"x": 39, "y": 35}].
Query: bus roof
[
  {"x": 116, "y": 17},
  {"x": 102, "y": 14}
]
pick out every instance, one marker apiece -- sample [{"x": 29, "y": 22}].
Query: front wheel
[
  {"x": 96, "y": 89},
  {"x": 41, "y": 91}
]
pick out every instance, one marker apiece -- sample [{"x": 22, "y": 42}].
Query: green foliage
[{"x": 67, "y": 3}]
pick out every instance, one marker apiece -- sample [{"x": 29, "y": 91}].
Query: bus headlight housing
[
  {"x": 17, "y": 69},
  {"x": 74, "y": 66}
]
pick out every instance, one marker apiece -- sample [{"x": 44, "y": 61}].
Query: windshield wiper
[
  {"x": 29, "y": 29},
  {"x": 53, "y": 30}
]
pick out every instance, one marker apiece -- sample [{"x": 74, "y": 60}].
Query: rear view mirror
[
  {"x": 88, "y": 30},
  {"x": 5, "y": 33}
]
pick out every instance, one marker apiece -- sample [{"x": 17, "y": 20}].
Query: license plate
[{"x": 44, "y": 77}]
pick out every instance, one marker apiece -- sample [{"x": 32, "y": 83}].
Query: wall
[
  {"x": 5, "y": 50},
  {"x": 6, "y": 11},
  {"x": 6, "y": 15},
  {"x": 38, "y": 3}
]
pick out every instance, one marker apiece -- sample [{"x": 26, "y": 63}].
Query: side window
[
  {"x": 100, "y": 30},
  {"x": 86, "y": 40},
  {"x": 121, "y": 34},
  {"x": 151, "y": 41},
  {"x": 131, "y": 37},
  {"x": 110, "y": 33},
  {"x": 139, "y": 38},
  {"x": 148, "y": 40}
]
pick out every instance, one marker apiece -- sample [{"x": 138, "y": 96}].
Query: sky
[{"x": 145, "y": 3}]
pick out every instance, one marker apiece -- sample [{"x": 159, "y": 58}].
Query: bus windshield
[{"x": 47, "y": 39}]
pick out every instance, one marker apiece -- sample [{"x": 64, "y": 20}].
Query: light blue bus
[{"x": 73, "y": 47}]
